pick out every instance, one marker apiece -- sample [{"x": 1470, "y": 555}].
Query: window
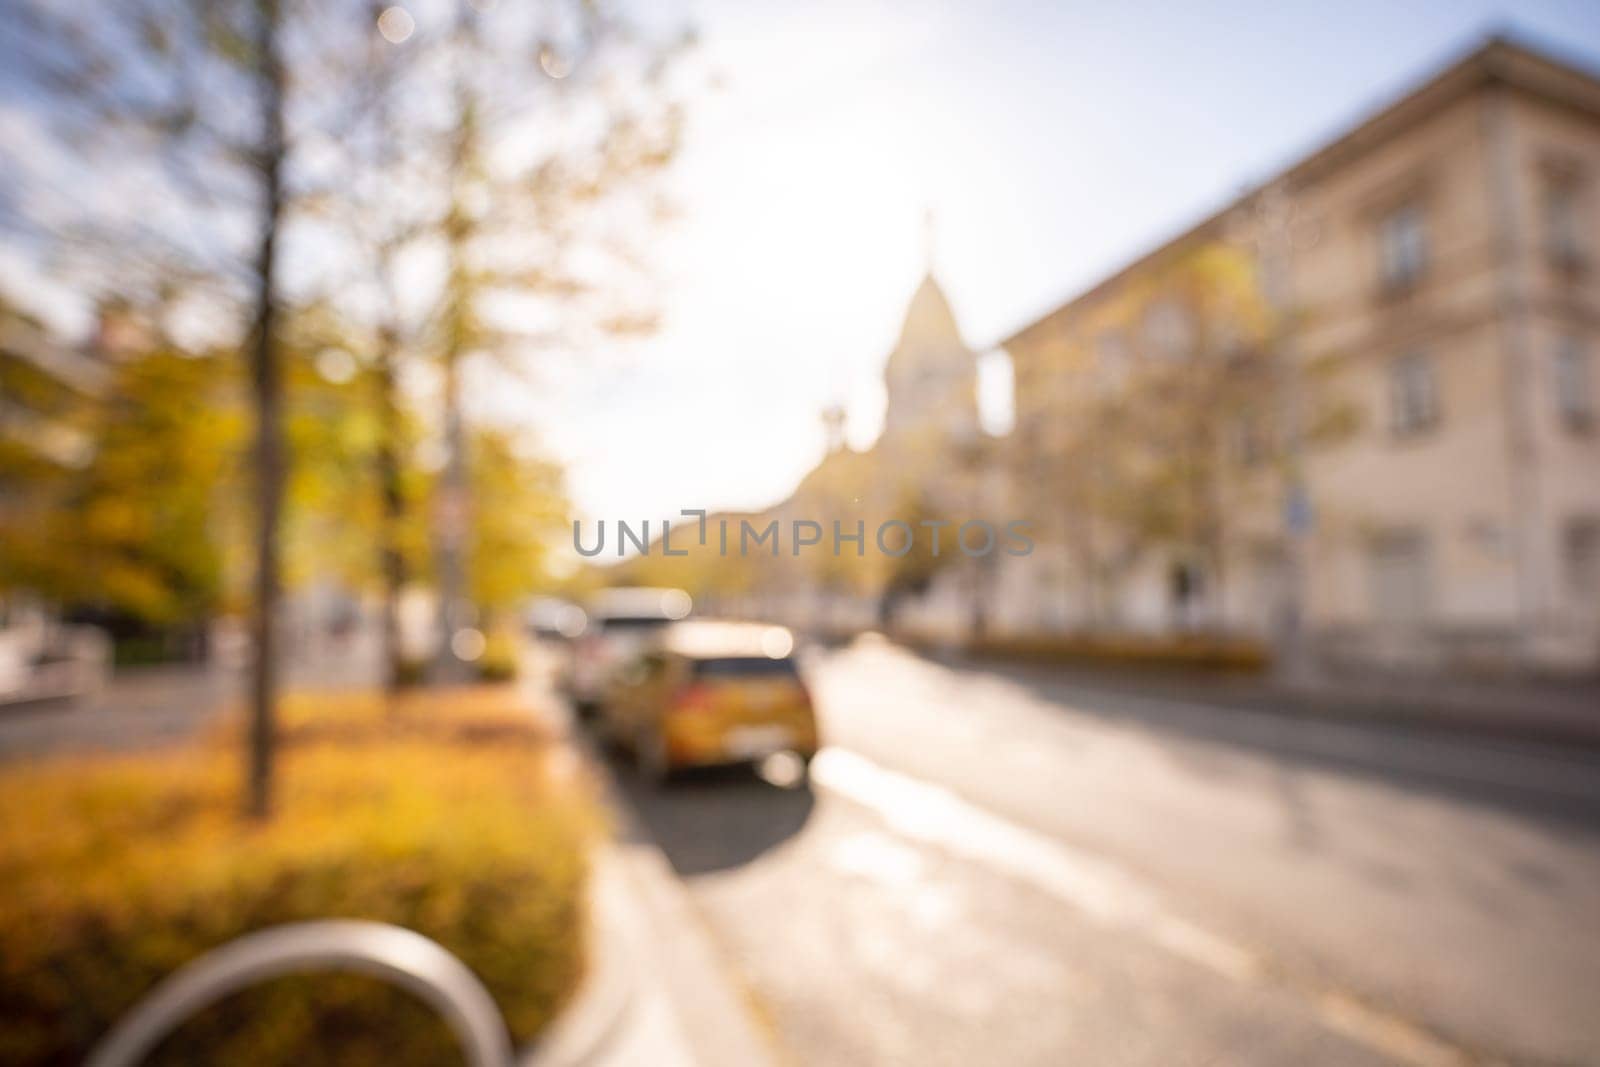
[
  {"x": 1413, "y": 395},
  {"x": 745, "y": 667},
  {"x": 1403, "y": 247},
  {"x": 1397, "y": 568},
  {"x": 1563, "y": 229},
  {"x": 1570, "y": 377}
]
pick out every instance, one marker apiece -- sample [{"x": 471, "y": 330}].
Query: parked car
[
  {"x": 44, "y": 659},
  {"x": 709, "y": 693},
  {"x": 552, "y": 626},
  {"x": 553, "y": 619},
  {"x": 620, "y": 622}
]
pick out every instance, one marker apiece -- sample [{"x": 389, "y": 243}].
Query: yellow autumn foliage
[{"x": 452, "y": 814}]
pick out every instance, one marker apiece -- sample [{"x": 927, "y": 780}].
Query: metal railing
[{"x": 398, "y": 956}]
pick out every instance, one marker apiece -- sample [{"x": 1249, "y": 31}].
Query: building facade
[{"x": 1363, "y": 396}]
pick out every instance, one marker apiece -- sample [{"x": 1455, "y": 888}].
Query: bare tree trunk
[
  {"x": 267, "y": 393},
  {"x": 391, "y": 560},
  {"x": 451, "y": 518},
  {"x": 391, "y": 429},
  {"x": 454, "y": 604}
]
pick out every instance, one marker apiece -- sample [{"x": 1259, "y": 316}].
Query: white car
[{"x": 620, "y": 622}]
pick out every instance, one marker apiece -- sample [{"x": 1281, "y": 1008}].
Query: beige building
[{"x": 1393, "y": 345}]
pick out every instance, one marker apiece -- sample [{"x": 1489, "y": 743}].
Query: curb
[
  {"x": 601, "y": 1008},
  {"x": 657, "y": 992},
  {"x": 712, "y": 1011}
]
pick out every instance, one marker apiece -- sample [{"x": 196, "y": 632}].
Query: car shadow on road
[{"x": 715, "y": 818}]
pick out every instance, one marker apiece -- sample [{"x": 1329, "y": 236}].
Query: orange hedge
[{"x": 452, "y": 815}]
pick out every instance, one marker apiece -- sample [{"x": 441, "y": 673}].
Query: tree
[
  {"x": 912, "y": 574},
  {"x": 1055, "y": 459},
  {"x": 520, "y": 513},
  {"x": 136, "y": 534},
  {"x": 1165, "y": 442},
  {"x": 539, "y": 230},
  {"x": 48, "y": 395},
  {"x": 47, "y": 399},
  {"x": 384, "y": 206},
  {"x": 200, "y": 97},
  {"x": 1169, "y": 475}
]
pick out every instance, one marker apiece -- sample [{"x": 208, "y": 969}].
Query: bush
[
  {"x": 499, "y": 660},
  {"x": 447, "y": 815},
  {"x": 413, "y": 671}
]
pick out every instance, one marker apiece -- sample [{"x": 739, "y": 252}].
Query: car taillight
[{"x": 692, "y": 698}]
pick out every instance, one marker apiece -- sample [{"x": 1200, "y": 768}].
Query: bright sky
[{"x": 1052, "y": 141}]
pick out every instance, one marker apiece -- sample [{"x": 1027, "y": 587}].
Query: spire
[
  {"x": 833, "y": 418},
  {"x": 928, "y": 316},
  {"x": 931, "y": 373}
]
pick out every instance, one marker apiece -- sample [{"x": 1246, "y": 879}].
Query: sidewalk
[
  {"x": 680, "y": 1007},
  {"x": 1561, "y": 713},
  {"x": 1545, "y": 712},
  {"x": 659, "y": 993}
]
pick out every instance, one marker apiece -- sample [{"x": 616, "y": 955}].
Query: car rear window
[
  {"x": 633, "y": 623},
  {"x": 744, "y": 667}
]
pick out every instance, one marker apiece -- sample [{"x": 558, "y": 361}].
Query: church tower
[{"x": 932, "y": 376}]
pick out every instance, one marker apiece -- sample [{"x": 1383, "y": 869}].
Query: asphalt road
[
  {"x": 142, "y": 707},
  {"x": 151, "y": 706},
  {"x": 994, "y": 866}
]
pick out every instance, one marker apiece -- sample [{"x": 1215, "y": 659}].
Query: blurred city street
[
  {"x": 999, "y": 865},
  {"x": 603, "y": 533}
]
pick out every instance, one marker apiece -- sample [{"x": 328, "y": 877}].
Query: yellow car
[{"x": 708, "y": 693}]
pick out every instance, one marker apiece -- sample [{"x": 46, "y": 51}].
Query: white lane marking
[{"x": 1104, "y": 892}]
